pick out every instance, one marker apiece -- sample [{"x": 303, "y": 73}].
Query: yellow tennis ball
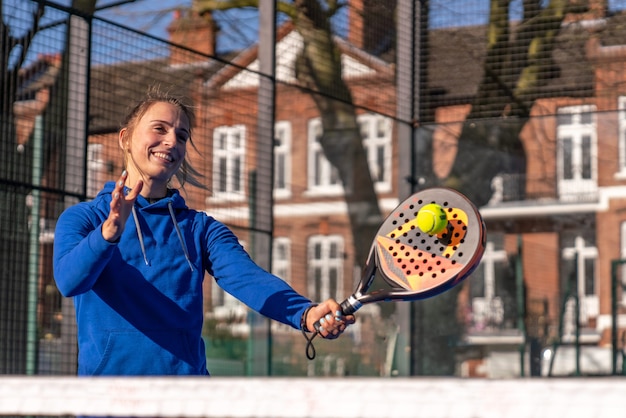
[{"x": 432, "y": 219}]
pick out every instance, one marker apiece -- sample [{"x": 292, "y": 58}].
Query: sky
[
  {"x": 443, "y": 13},
  {"x": 239, "y": 27}
]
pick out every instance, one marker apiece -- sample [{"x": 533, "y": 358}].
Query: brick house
[
  {"x": 554, "y": 236},
  {"x": 564, "y": 222}
]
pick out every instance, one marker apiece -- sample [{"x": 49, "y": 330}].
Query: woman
[{"x": 134, "y": 260}]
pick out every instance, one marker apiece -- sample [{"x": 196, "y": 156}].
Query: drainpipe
[{"x": 33, "y": 252}]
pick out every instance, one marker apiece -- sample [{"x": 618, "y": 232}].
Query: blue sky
[{"x": 239, "y": 27}]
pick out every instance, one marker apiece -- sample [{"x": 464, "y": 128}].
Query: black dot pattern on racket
[{"x": 418, "y": 261}]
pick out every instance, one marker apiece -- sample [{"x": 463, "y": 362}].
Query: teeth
[{"x": 164, "y": 156}]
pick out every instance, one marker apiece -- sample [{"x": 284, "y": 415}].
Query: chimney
[
  {"x": 371, "y": 24},
  {"x": 192, "y": 31},
  {"x": 355, "y": 23}
]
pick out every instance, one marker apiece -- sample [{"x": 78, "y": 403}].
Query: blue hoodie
[{"x": 138, "y": 301}]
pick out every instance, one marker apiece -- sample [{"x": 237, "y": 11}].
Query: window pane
[
  {"x": 477, "y": 285},
  {"x": 317, "y": 175},
  {"x": 236, "y": 140},
  {"x": 333, "y": 250},
  {"x": 590, "y": 286},
  {"x": 236, "y": 175},
  {"x": 221, "y": 174},
  {"x": 317, "y": 273},
  {"x": 380, "y": 165},
  {"x": 586, "y": 151},
  {"x": 221, "y": 141},
  {"x": 317, "y": 251},
  {"x": 334, "y": 176},
  {"x": 564, "y": 119},
  {"x": 381, "y": 127},
  {"x": 566, "y": 143},
  {"x": 585, "y": 118},
  {"x": 332, "y": 282},
  {"x": 280, "y": 172}
]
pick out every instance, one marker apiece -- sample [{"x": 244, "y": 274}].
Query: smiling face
[{"x": 155, "y": 146}]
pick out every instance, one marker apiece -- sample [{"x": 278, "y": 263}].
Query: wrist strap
[
  {"x": 310, "y": 349},
  {"x": 303, "y": 326}
]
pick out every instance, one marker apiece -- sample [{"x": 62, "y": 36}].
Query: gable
[{"x": 287, "y": 50}]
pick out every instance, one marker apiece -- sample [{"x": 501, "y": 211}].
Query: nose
[{"x": 169, "y": 140}]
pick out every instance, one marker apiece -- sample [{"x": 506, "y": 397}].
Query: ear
[{"x": 123, "y": 138}]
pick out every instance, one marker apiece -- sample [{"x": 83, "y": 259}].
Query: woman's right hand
[{"x": 121, "y": 207}]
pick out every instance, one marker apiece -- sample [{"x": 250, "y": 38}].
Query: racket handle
[{"x": 350, "y": 305}]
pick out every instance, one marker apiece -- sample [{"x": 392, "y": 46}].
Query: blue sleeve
[
  {"x": 240, "y": 276},
  {"x": 80, "y": 251}
]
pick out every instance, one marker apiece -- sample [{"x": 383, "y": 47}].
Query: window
[
  {"x": 281, "y": 258},
  {"x": 622, "y": 269},
  {"x": 228, "y": 161},
  {"x": 579, "y": 255},
  {"x": 622, "y": 135},
  {"x": 376, "y": 133},
  {"x": 492, "y": 290},
  {"x": 282, "y": 159},
  {"x": 95, "y": 166},
  {"x": 576, "y": 152},
  {"x": 224, "y": 305},
  {"x": 323, "y": 177},
  {"x": 325, "y": 267}
]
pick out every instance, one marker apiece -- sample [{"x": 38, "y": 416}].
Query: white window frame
[
  {"x": 226, "y": 306},
  {"x": 282, "y": 152},
  {"x": 589, "y": 304},
  {"x": 320, "y": 268},
  {"x": 489, "y": 308},
  {"x": 622, "y": 268},
  {"x": 232, "y": 153},
  {"x": 281, "y": 258},
  {"x": 621, "y": 137},
  {"x": 322, "y": 177},
  {"x": 376, "y": 131},
  {"x": 572, "y": 189},
  {"x": 95, "y": 167}
]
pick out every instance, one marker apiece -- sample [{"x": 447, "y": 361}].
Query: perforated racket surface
[{"x": 417, "y": 265}]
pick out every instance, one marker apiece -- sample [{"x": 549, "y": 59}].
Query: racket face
[{"x": 420, "y": 264}]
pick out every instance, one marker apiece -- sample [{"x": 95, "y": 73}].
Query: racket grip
[{"x": 350, "y": 305}]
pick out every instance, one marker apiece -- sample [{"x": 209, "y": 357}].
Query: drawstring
[
  {"x": 140, "y": 236},
  {"x": 180, "y": 235}
]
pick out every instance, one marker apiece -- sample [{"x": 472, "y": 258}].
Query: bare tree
[
  {"x": 516, "y": 67},
  {"x": 318, "y": 67}
]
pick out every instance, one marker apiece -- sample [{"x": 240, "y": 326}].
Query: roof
[
  {"x": 115, "y": 88},
  {"x": 455, "y": 65}
]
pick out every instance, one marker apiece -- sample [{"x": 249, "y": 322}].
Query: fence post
[
  {"x": 262, "y": 229},
  {"x": 77, "y": 73}
]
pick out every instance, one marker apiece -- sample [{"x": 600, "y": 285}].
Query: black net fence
[{"x": 306, "y": 144}]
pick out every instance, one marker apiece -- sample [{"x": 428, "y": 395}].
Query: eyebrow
[{"x": 186, "y": 131}]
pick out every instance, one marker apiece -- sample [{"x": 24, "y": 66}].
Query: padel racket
[{"x": 417, "y": 265}]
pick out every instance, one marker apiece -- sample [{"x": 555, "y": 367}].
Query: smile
[{"x": 164, "y": 156}]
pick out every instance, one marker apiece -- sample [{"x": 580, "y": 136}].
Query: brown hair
[{"x": 186, "y": 173}]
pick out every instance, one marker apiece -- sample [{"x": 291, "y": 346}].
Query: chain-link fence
[{"x": 313, "y": 130}]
